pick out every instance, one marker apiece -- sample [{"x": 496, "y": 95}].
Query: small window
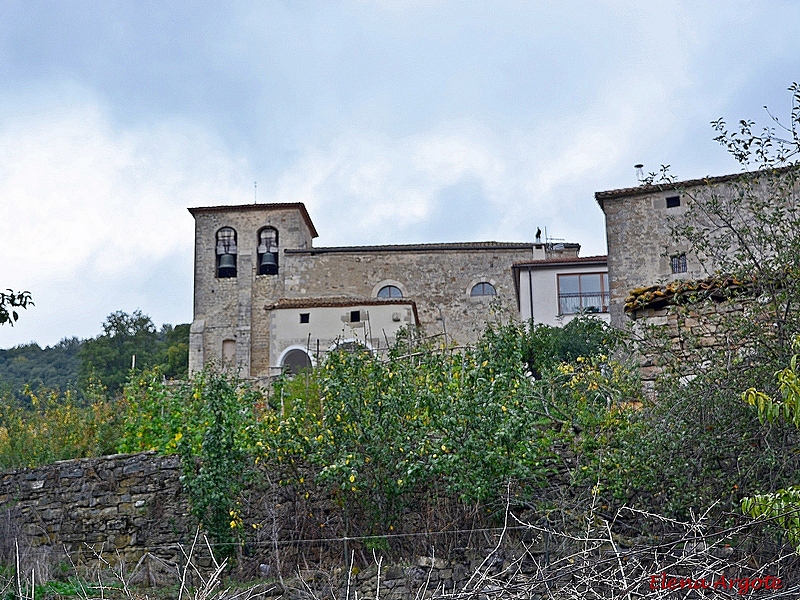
[
  {"x": 673, "y": 201},
  {"x": 268, "y": 251},
  {"x": 295, "y": 361},
  {"x": 226, "y": 252},
  {"x": 390, "y": 291},
  {"x": 483, "y": 289},
  {"x": 304, "y": 317},
  {"x": 355, "y": 316},
  {"x": 678, "y": 263}
]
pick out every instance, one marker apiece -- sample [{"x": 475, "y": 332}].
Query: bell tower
[{"x": 239, "y": 265}]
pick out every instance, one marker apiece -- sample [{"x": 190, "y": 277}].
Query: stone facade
[
  {"x": 642, "y": 250},
  {"x": 640, "y": 242},
  {"x": 233, "y": 316}
]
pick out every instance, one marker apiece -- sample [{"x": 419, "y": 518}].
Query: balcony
[{"x": 576, "y": 303}]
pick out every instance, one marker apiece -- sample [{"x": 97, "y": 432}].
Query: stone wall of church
[
  {"x": 223, "y": 306},
  {"x": 439, "y": 281},
  {"x": 232, "y": 311}
]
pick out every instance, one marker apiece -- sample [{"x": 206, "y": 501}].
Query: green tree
[
  {"x": 747, "y": 231},
  {"x": 545, "y": 347},
  {"x": 109, "y": 357},
  {"x": 697, "y": 443},
  {"x": 174, "y": 356},
  {"x": 54, "y": 367},
  {"x": 212, "y": 421}
]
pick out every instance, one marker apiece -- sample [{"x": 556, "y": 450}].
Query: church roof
[{"x": 416, "y": 247}]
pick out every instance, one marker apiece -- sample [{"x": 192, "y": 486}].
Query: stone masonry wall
[
  {"x": 639, "y": 245},
  {"x": 435, "y": 280},
  {"x": 125, "y": 503},
  {"x": 639, "y": 226},
  {"x": 129, "y": 507},
  {"x": 685, "y": 335}
]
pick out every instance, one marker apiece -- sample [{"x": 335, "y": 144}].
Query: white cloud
[
  {"x": 413, "y": 121},
  {"x": 368, "y": 188},
  {"x": 90, "y": 212}
]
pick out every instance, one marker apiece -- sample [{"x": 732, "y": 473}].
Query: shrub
[{"x": 51, "y": 426}]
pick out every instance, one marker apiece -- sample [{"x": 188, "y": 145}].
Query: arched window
[
  {"x": 483, "y": 288},
  {"x": 268, "y": 251},
  {"x": 295, "y": 361},
  {"x": 226, "y": 252},
  {"x": 390, "y": 291}
]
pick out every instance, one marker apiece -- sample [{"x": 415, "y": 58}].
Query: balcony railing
[{"x": 570, "y": 304}]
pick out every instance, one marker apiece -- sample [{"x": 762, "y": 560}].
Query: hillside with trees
[{"x": 106, "y": 360}]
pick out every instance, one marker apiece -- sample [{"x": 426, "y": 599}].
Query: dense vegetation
[
  {"x": 55, "y": 367},
  {"x": 383, "y": 433},
  {"x": 109, "y": 357},
  {"x": 74, "y": 365},
  {"x": 65, "y": 401}
]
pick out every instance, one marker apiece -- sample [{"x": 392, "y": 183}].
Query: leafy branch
[{"x": 11, "y": 300}]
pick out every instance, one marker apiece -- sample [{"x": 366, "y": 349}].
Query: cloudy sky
[{"x": 395, "y": 121}]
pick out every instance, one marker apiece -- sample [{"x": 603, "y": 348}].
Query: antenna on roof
[
  {"x": 639, "y": 172},
  {"x": 255, "y": 192}
]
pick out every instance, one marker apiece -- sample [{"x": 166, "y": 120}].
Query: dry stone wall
[
  {"x": 124, "y": 503},
  {"x": 683, "y": 336},
  {"x": 131, "y": 508}
]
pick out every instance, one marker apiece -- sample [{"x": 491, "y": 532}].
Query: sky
[{"x": 394, "y": 121}]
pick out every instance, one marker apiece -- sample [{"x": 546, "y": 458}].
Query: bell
[
  {"x": 268, "y": 265},
  {"x": 227, "y": 265}
]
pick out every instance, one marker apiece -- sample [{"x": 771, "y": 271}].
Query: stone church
[{"x": 267, "y": 300}]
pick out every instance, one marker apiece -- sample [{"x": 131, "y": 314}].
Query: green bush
[
  {"x": 212, "y": 422},
  {"x": 383, "y": 432},
  {"x": 380, "y": 431},
  {"x": 50, "y": 426}
]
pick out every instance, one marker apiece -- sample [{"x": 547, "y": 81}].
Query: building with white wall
[{"x": 554, "y": 290}]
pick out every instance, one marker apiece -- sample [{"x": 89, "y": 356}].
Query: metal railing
[{"x": 570, "y": 304}]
